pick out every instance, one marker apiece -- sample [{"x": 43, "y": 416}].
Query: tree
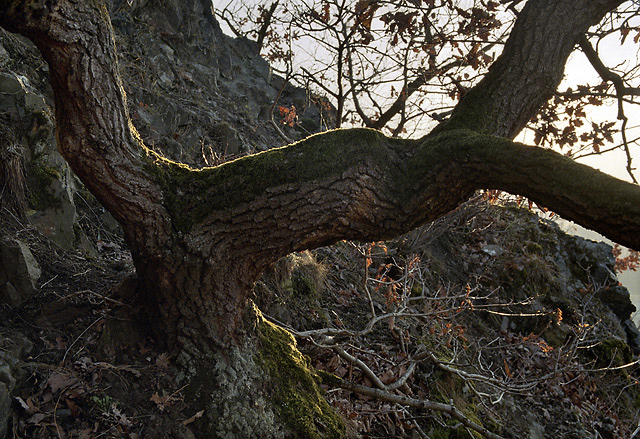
[
  {"x": 400, "y": 65},
  {"x": 201, "y": 238},
  {"x": 363, "y": 53}
]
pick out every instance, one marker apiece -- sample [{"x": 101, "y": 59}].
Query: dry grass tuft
[{"x": 13, "y": 187}]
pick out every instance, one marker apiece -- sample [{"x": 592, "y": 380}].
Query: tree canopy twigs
[{"x": 621, "y": 91}]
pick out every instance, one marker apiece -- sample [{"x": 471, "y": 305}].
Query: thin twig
[
  {"x": 79, "y": 337},
  {"x": 362, "y": 366},
  {"x": 273, "y": 106},
  {"x": 621, "y": 91}
]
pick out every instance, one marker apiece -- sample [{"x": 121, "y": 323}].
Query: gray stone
[
  {"x": 9, "y": 294},
  {"x": 633, "y": 335},
  {"x": 20, "y": 269},
  {"x": 4, "y": 55},
  {"x": 536, "y": 431},
  {"x": 13, "y": 84},
  {"x": 493, "y": 250},
  {"x": 167, "y": 78},
  {"x": 145, "y": 117},
  {"x": 6, "y": 375},
  {"x": 34, "y": 102},
  {"x": 57, "y": 224},
  {"x": 227, "y": 138},
  {"x": 10, "y": 83},
  {"x": 618, "y": 300},
  {"x": 168, "y": 51},
  {"x": 7, "y": 385},
  {"x": 602, "y": 274},
  {"x": 15, "y": 345},
  {"x": 12, "y": 348}
]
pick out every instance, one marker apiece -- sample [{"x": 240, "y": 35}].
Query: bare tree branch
[
  {"x": 621, "y": 91},
  {"x": 425, "y": 404},
  {"x": 266, "y": 23}
]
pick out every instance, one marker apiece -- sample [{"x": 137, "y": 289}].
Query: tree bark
[{"x": 201, "y": 238}]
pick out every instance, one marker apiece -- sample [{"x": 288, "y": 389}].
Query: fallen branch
[{"x": 426, "y": 404}]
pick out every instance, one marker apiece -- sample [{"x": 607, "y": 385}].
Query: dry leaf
[
  {"x": 193, "y": 418},
  {"x": 161, "y": 401},
  {"x": 506, "y": 368},
  {"x": 37, "y": 418},
  {"x": 387, "y": 377},
  {"x": 75, "y": 410},
  {"x": 163, "y": 361},
  {"x": 58, "y": 381}
]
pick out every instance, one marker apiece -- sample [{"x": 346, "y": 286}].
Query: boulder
[
  {"x": 618, "y": 300},
  {"x": 19, "y": 272}
]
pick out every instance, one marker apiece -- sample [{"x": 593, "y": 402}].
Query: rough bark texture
[
  {"x": 201, "y": 238},
  {"x": 530, "y": 68}
]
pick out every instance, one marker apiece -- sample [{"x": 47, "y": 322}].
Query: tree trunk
[{"x": 200, "y": 239}]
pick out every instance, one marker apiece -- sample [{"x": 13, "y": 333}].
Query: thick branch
[
  {"x": 576, "y": 192},
  {"x": 94, "y": 132},
  {"x": 359, "y": 184},
  {"x": 530, "y": 67}
]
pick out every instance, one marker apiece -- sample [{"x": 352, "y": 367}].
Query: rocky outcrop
[
  {"x": 598, "y": 262},
  {"x": 195, "y": 94},
  {"x": 29, "y": 130}
]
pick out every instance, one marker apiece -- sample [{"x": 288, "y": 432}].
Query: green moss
[
  {"x": 296, "y": 395},
  {"x": 191, "y": 195},
  {"x": 533, "y": 247},
  {"x": 612, "y": 352},
  {"x": 39, "y": 179},
  {"x": 458, "y": 433},
  {"x": 451, "y": 389},
  {"x": 471, "y": 113}
]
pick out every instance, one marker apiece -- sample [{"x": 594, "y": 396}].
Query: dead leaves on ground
[{"x": 80, "y": 400}]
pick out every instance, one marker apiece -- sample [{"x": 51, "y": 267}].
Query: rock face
[
  {"x": 28, "y": 128},
  {"x": 598, "y": 258},
  {"x": 19, "y": 272}
]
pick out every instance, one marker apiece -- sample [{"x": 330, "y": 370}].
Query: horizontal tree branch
[{"x": 360, "y": 184}]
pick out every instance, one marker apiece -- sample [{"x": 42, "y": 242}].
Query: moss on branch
[
  {"x": 192, "y": 194},
  {"x": 427, "y": 178}
]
